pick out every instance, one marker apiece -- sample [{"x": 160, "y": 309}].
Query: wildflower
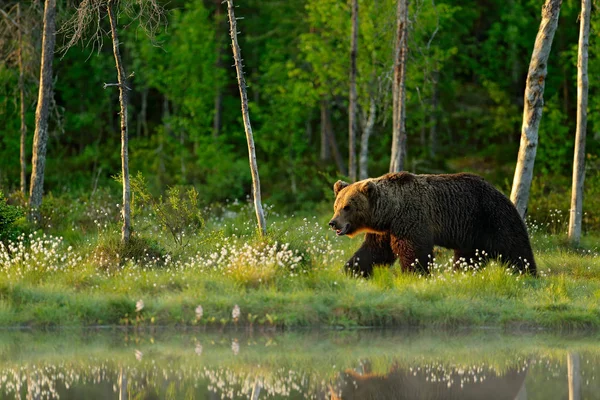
[
  {"x": 199, "y": 312},
  {"x": 138, "y": 355},
  {"x": 235, "y": 314},
  {"x": 139, "y": 306}
]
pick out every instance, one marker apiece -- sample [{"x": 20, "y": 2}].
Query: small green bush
[
  {"x": 9, "y": 215},
  {"x": 177, "y": 212}
]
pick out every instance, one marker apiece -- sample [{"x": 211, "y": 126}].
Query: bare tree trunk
[
  {"x": 249, "y": 137},
  {"x": 325, "y": 153},
  {"x": 574, "y": 369},
  {"x": 122, "y": 79},
  {"x": 40, "y": 137},
  {"x": 353, "y": 105},
  {"x": 22, "y": 96},
  {"x": 364, "y": 140},
  {"x": 399, "y": 89},
  {"x": 534, "y": 102},
  {"x": 582, "y": 102}
]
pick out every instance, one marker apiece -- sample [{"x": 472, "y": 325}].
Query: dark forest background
[{"x": 465, "y": 81}]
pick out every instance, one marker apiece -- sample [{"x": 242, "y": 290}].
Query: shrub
[{"x": 8, "y": 217}]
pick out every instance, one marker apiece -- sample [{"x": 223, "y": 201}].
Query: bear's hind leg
[
  {"x": 375, "y": 250},
  {"x": 413, "y": 257}
]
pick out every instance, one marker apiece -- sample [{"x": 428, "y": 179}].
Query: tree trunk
[
  {"x": 534, "y": 102},
  {"x": 122, "y": 79},
  {"x": 353, "y": 105},
  {"x": 325, "y": 153},
  {"x": 574, "y": 368},
  {"x": 249, "y": 137},
  {"x": 122, "y": 385},
  {"x": 40, "y": 137},
  {"x": 364, "y": 140},
  {"x": 582, "y": 102},
  {"x": 142, "y": 125},
  {"x": 433, "y": 116},
  {"x": 22, "y": 96},
  {"x": 399, "y": 89},
  {"x": 335, "y": 149}
]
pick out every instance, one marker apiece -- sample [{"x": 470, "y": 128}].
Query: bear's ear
[
  {"x": 339, "y": 185},
  {"x": 367, "y": 187}
]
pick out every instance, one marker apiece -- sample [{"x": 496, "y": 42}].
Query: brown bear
[{"x": 405, "y": 215}]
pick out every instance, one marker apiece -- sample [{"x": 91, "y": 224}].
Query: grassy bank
[{"x": 77, "y": 274}]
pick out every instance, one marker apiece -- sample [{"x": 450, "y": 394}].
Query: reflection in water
[
  {"x": 431, "y": 382},
  {"x": 318, "y": 365}
]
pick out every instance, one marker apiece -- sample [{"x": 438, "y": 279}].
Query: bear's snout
[{"x": 339, "y": 230}]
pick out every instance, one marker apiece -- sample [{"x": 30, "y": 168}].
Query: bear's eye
[{"x": 346, "y": 208}]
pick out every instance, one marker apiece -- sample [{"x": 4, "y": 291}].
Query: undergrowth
[{"x": 292, "y": 277}]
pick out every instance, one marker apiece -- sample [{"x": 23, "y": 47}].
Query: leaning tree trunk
[
  {"x": 237, "y": 55},
  {"x": 364, "y": 140},
  {"x": 582, "y": 102},
  {"x": 22, "y": 96},
  {"x": 353, "y": 106},
  {"x": 40, "y": 137},
  {"x": 399, "y": 89},
  {"x": 534, "y": 102},
  {"x": 122, "y": 83}
]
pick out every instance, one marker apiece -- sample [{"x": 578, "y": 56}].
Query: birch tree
[
  {"x": 149, "y": 15},
  {"x": 237, "y": 56},
  {"x": 40, "y": 137},
  {"x": 123, "y": 102},
  {"x": 534, "y": 102},
  {"x": 582, "y": 102},
  {"x": 399, "y": 89},
  {"x": 21, "y": 27},
  {"x": 22, "y": 103},
  {"x": 353, "y": 104}
]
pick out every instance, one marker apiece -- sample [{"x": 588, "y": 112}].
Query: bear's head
[{"x": 351, "y": 210}]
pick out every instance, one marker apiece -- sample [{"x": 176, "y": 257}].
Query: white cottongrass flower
[
  {"x": 236, "y": 312},
  {"x": 199, "y": 312},
  {"x": 139, "y": 306},
  {"x": 139, "y": 355}
]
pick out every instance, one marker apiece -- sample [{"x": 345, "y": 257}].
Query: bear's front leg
[
  {"x": 414, "y": 255},
  {"x": 375, "y": 250}
]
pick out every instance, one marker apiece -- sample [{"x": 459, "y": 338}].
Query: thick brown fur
[{"x": 406, "y": 215}]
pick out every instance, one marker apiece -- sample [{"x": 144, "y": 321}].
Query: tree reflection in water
[{"x": 321, "y": 365}]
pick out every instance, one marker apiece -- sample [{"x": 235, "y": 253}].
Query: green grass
[{"x": 292, "y": 278}]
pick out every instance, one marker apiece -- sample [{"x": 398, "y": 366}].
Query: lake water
[{"x": 358, "y": 364}]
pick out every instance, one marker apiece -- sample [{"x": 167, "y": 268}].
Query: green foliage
[
  {"x": 8, "y": 217},
  {"x": 465, "y": 80},
  {"x": 177, "y": 212}
]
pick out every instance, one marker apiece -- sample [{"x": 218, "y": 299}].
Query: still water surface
[{"x": 363, "y": 364}]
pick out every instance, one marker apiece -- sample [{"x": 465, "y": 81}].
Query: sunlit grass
[{"x": 293, "y": 277}]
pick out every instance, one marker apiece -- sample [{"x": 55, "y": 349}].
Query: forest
[{"x": 194, "y": 230}]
